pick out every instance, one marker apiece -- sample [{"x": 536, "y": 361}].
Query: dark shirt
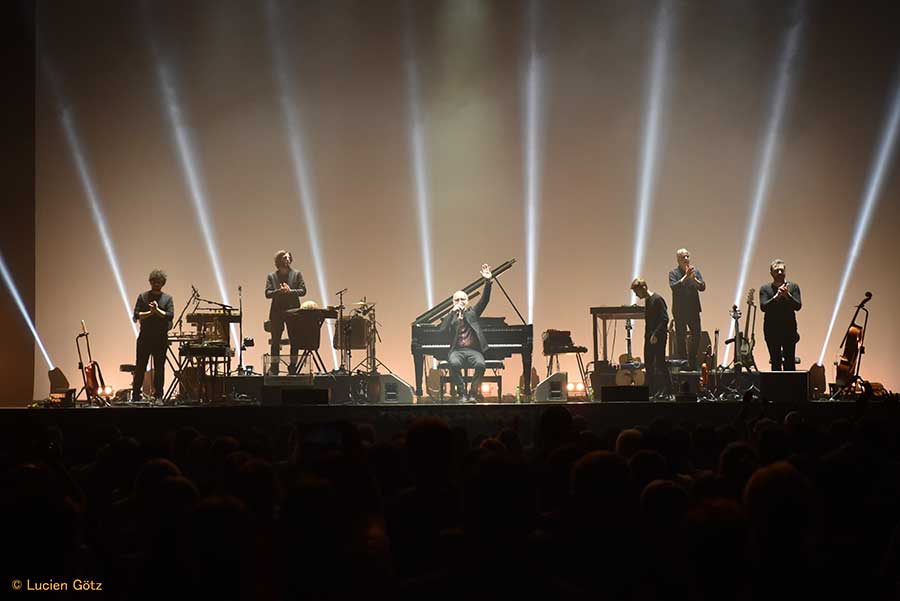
[
  {"x": 282, "y": 302},
  {"x": 686, "y": 295},
  {"x": 155, "y": 325},
  {"x": 657, "y": 315},
  {"x": 465, "y": 336},
  {"x": 780, "y": 312}
]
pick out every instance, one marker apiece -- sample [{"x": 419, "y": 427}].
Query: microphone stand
[{"x": 240, "y": 369}]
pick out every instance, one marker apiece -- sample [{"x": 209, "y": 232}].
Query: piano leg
[
  {"x": 526, "y": 374},
  {"x": 419, "y": 364}
]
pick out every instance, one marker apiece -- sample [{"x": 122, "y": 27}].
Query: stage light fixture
[
  {"x": 533, "y": 127},
  {"x": 485, "y": 388},
  {"x": 662, "y": 33},
  {"x": 768, "y": 154},
  {"x": 417, "y": 147},
  {"x": 14, "y": 292},
  {"x": 874, "y": 183},
  {"x": 87, "y": 183},
  {"x": 303, "y": 179},
  {"x": 570, "y": 387}
]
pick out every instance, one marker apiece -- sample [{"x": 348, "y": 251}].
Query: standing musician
[
  {"x": 780, "y": 301},
  {"x": 686, "y": 283},
  {"x": 467, "y": 342},
  {"x": 155, "y": 310},
  {"x": 657, "y": 319},
  {"x": 284, "y": 286}
]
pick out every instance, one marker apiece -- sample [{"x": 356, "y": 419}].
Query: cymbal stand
[{"x": 371, "y": 361}]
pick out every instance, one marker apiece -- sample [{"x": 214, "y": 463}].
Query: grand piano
[{"x": 504, "y": 340}]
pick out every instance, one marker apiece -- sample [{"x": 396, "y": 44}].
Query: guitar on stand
[
  {"x": 847, "y": 380},
  {"x": 630, "y": 372},
  {"x": 94, "y": 386},
  {"x": 747, "y": 344}
]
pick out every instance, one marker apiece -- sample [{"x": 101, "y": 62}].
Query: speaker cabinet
[
  {"x": 395, "y": 390},
  {"x": 293, "y": 390},
  {"x": 552, "y": 388},
  {"x": 784, "y": 386}
]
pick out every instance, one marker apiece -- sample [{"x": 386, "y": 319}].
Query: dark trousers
[
  {"x": 277, "y": 329},
  {"x": 683, "y": 348},
  {"x": 463, "y": 358},
  {"x": 658, "y": 379},
  {"x": 148, "y": 346},
  {"x": 782, "y": 347}
]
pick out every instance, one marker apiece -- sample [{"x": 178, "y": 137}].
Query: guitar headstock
[{"x": 750, "y": 294}]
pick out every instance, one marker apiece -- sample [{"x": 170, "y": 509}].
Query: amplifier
[
  {"x": 618, "y": 394},
  {"x": 784, "y": 386}
]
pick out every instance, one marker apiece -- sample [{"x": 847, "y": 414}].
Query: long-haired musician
[
  {"x": 284, "y": 286},
  {"x": 467, "y": 342},
  {"x": 155, "y": 310}
]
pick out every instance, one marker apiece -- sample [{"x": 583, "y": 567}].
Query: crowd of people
[{"x": 761, "y": 508}]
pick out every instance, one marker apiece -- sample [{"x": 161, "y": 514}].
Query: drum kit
[{"x": 358, "y": 331}]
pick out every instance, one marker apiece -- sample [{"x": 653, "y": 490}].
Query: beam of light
[
  {"x": 14, "y": 292},
  {"x": 417, "y": 148},
  {"x": 303, "y": 179},
  {"x": 190, "y": 167},
  {"x": 87, "y": 183},
  {"x": 655, "y": 98},
  {"x": 870, "y": 200},
  {"x": 769, "y": 152},
  {"x": 533, "y": 145}
]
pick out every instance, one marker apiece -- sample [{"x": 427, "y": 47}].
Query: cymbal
[{"x": 363, "y": 304}]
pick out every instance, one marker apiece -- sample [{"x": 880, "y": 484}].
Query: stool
[{"x": 495, "y": 377}]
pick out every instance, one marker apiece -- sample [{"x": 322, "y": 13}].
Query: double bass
[{"x": 852, "y": 345}]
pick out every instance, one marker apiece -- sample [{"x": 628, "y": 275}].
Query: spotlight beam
[
  {"x": 190, "y": 167},
  {"x": 418, "y": 149},
  {"x": 87, "y": 183},
  {"x": 872, "y": 193},
  {"x": 533, "y": 145},
  {"x": 303, "y": 179},
  {"x": 14, "y": 292},
  {"x": 768, "y": 154},
  {"x": 649, "y": 151}
]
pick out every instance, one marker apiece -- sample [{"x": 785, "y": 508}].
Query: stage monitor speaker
[
  {"x": 619, "y": 394},
  {"x": 395, "y": 390},
  {"x": 784, "y": 386},
  {"x": 552, "y": 388}
]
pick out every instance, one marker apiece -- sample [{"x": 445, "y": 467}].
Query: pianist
[
  {"x": 467, "y": 342},
  {"x": 155, "y": 310},
  {"x": 284, "y": 286}
]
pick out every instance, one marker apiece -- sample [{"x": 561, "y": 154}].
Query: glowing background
[{"x": 350, "y": 83}]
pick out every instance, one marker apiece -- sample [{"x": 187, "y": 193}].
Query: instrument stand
[
  {"x": 371, "y": 361},
  {"x": 89, "y": 395},
  {"x": 342, "y": 326},
  {"x": 737, "y": 391}
]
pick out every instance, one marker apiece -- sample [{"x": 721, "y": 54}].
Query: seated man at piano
[
  {"x": 467, "y": 341},
  {"x": 155, "y": 310},
  {"x": 284, "y": 286}
]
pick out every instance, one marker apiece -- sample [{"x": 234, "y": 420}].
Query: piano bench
[{"x": 492, "y": 365}]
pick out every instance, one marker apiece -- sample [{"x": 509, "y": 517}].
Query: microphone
[{"x": 340, "y": 291}]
